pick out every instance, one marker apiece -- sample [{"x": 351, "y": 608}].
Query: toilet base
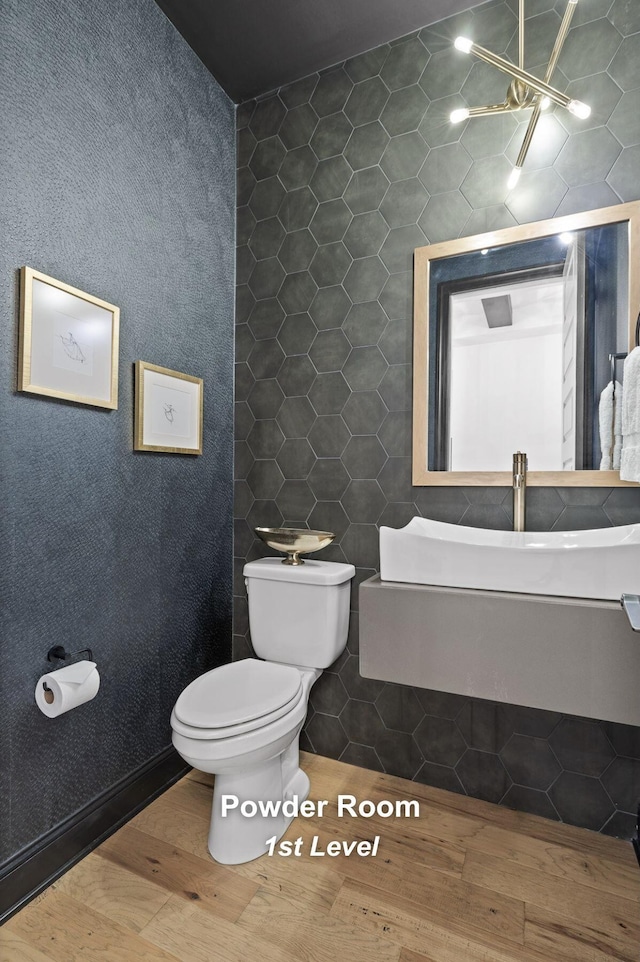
[{"x": 237, "y": 838}]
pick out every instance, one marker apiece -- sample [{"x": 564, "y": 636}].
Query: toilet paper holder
[{"x": 58, "y": 652}]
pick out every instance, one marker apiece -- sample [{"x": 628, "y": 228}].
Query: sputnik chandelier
[{"x": 525, "y": 90}]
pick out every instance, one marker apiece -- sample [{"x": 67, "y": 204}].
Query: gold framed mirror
[{"x": 516, "y": 334}]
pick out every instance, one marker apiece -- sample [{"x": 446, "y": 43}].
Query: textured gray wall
[
  {"x": 118, "y": 176},
  {"x": 341, "y": 176}
]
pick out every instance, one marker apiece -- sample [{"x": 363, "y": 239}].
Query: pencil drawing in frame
[
  {"x": 68, "y": 342},
  {"x": 168, "y": 410}
]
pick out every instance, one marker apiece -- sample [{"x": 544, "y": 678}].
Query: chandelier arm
[
  {"x": 526, "y": 143},
  {"x": 521, "y": 35},
  {"x": 512, "y": 71},
  {"x": 490, "y": 109},
  {"x": 560, "y": 39}
]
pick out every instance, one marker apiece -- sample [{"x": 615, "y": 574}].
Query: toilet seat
[{"x": 236, "y": 698}]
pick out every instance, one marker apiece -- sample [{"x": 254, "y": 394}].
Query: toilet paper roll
[{"x": 66, "y": 688}]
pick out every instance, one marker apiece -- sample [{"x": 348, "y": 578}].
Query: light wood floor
[{"x": 466, "y": 882}]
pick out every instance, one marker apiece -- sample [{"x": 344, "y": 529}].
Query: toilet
[{"x": 242, "y": 721}]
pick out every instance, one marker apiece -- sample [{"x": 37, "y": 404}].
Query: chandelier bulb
[
  {"x": 457, "y": 116},
  {"x": 545, "y": 103},
  {"x": 578, "y": 109},
  {"x": 514, "y": 177},
  {"x": 464, "y": 44}
]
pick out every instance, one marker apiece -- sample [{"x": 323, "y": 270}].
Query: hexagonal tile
[
  {"x": 624, "y": 174},
  {"x": 295, "y": 500},
  {"x": 439, "y": 740},
  {"x": 330, "y": 221},
  {"x": 365, "y": 234},
  {"x": 265, "y": 399},
  {"x": 581, "y": 801},
  {"x": 328, "y": 479},
  {"x": 298, "y": 167},
  {"x": 625, "y": 122},
  {"x": 588, "y": 157},
  {"x": 245, "y": 263},
  {"x": 581, "y": 746},
  {"x": 445, "y": 168},
  {"x": 330, "y": 178},
  {"x": 297, "y": 209},
  {"x": 395, "y": 480},
  {"x": 296, "y": 416},
  {"x": 265, "y": 359},
  {"x": 530, "y": 762},
  {"x": 483, "y": 775},
  {"x": 267, "y": 117},
  {"x": 396, "y": 342},
  {"x": 331, "y": 91},
  {"x": 364, "y": 412},
  {"x": 395, "y": 434},
  {"x": 436, "y": 127},
  {"x": 297, "y": 292},
  {"x": 625, "y": 16},
  {"x": 367, "y": 64},
  {"x": 404, "y": 202},
  {"x": 328, "y": 436},
  {"x": 366, "y": 145},
  {"x": 396, "y": 296},
  {"x": 486, "y": 182},
  {"x": 445, "y": 217},
  {"x": 298, "y": 92},
  {"x": 589, "y": 49},
  {"x": 364, "y": 368},
  {"x": 331, "y": 135},
  {"x": 484, "y": 85},
  {"x": 266, "y": 158},
  {"x": 265, "y": 278},
  {"x": 399, "y": 708},
  {"x": 537, "y": 196},
  {"x": 265, "y": 479},
  {"x": 329, "y": 695},
  {"x": 361, "y": 721},
  {"x": 397, "y": 251},
  {"x": 530, "y": 800},
  {"x": 364, "y": 502},
  {"x": 487, "y": 136},
  {"x": 330, "y": 305},
  {"x": 296, "y": 375},
  {"x": 265, "y": 439},
  {"x": 245, "y": 185},
  {"x": 404, "y": 110},
  {"x": 327, "y": 735},
  {"x": 399, "y": 754},
  {"x": 265, "y": 318},
  {"x": 366, "y": 189},
  {"x": 364, "y": 457},
  {"x": 329, "y": 516},
  {"x": 266, "y": 198},
  {"x": 364, "y": 323},
  {"x": 365, "y": 279},
  {"x": 360, "y": 544},
  {"x": 366, "y": 101},
  {"x": 362, "y": 755},
  {"x": 446, "y": 71},
  {"x": 404, "y": 156},
  {"x": 245, "y": 222},
  {"x": 297, "y": 250},
  {"x": 298, "y": 126},
  {"x": 329, "y": 351},
  {"x": 404, "y": 64},
  {"x": 295, "y": 458},
  {"x": 395, "y": 387},
  {"x": 296, "y": 334},
  {"x": 329, "y": 266},
  {"x": 245, "y": 145},
  {"x": 328, "y": 393}
]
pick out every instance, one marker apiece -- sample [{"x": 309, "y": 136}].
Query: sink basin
[{"x": 601, "y": 563}]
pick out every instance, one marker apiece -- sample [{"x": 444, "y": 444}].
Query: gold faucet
[{"x": 519, "y": 474}]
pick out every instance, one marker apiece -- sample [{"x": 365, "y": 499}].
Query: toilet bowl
[{"x": 242, "y": 721}]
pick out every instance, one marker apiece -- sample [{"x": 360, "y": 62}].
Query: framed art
[
  {"x": 68, "y": 346},
  {"x": 168, "y": 410}
]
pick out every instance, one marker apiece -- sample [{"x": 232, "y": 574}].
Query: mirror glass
[{"x": 517, "y": 334}]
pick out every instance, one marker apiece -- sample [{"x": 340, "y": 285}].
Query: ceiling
[{"x": 254, "y": 46}]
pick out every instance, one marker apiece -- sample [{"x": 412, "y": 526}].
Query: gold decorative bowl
[{"x": 294, "y": 541}]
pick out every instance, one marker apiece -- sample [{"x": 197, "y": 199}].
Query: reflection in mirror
[{"x": 514, "y": 334}]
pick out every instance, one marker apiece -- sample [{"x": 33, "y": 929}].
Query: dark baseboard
[{"x": 28, "y": 872}]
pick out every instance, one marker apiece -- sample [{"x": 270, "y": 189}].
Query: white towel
[
  {"x": 610, "y": 423},
  {"x": 630, "y": 459}
]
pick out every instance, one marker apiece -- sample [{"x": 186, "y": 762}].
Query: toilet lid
[{"x": 239, "y": 693}]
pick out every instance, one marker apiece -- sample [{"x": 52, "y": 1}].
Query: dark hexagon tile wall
[{"x": 341, "y": 175}]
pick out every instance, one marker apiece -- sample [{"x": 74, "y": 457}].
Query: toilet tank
[{"x": 298, "y": 614}]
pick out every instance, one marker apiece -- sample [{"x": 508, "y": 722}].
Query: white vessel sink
[{"x": 601, "y": 563}]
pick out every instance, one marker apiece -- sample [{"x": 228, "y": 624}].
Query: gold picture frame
[
  {"x": 68, "y": 342},
  {"x": 168, "y": 409}
]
